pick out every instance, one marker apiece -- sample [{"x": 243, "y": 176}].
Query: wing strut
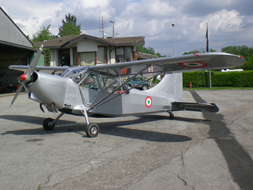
[
  {"x": 99, "y": 103},
  {"x": 117, "y": 89}
]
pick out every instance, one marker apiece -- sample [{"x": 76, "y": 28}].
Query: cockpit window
[
  {"x": 90, "y": 81},
  {"x": 73, "y": 71},
  {"x": 87, "y": 79},
  {"x": 77, "y": 74}
]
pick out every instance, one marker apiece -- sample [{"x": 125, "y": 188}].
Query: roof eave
[
  {"x": 17, "y": 45},
  {"x": 87, "y": 37},
  {"x": 132, "y": 44},
  {"x": 15, "y": 24}
]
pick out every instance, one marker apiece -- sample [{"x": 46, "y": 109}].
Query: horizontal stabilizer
[{"x": 204, "y": 107}]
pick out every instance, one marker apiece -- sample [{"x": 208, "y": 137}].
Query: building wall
[
  {"x": 83, "y": 46},
  {"x": 112, "y": 58},
  {"x": 41, "y": 61},
  {"x": 54, "y": 57},
  {"x": 10, "y": 33}
]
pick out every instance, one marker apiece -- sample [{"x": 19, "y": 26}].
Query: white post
[{"x": 71, "y": 57}]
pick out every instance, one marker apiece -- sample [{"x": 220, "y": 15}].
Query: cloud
[
  {"x": 29, "y": 15},
  {"x": 230, "y": 21}
]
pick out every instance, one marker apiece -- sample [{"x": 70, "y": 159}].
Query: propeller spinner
[{"x": 26, "y": 78}]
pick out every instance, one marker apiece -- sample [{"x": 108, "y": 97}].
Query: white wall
[
  {"x": 112, "y": 56},
  {"x": 10, "y": 33},
  {"x": 54, "y": 57}
]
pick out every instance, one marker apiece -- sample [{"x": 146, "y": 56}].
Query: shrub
[
  {"x": 231, "y": 79},
  {"x": 198, "y": 79},
  {"x": 48, "y": 56}
]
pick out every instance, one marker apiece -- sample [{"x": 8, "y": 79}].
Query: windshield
[
  {"x": 72, "y": 71},
  {"x": 75, "y": 74}
]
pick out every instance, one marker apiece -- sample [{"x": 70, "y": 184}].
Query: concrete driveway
[{"x": 193, "y": 151}]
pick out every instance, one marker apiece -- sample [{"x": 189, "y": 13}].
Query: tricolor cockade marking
[
  {"x": 148, "y": 102},
  {"x": 151, "y": 69},
  {"x": 192, "y": 64}
]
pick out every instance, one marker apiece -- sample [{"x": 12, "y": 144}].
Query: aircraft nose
[
  {"x": 23, "y": 77},
  {"x": 49, "y": 89}
]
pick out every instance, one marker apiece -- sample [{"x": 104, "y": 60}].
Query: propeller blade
[
  {"x": 17, "y": 93},
  {"x": 33, "y": 65},
  {"x": 27, "y": 76}
]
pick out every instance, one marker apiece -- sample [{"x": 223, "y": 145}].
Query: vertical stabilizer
[{"x": 170, "y": 86}]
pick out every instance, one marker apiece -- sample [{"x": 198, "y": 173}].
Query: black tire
[
  {"x": 47, "y": 124},
  {"x": 144, "y": 87},
  {"x": 171, "y": 115},
  {"x": 92, "y": 130}
]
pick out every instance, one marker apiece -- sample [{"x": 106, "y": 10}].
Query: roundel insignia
[
  {"x": 148, "y": 102},
  {"x": 192, "y": 64}
]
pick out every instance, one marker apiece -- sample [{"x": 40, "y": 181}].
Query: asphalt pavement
[{"x": 193, "y": 151}]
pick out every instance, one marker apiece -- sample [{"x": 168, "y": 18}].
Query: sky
[{"x": 230, "y": 22}]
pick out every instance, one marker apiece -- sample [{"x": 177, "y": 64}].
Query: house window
[
  {"x": 87, "y": 58},
  {"x": 101, "y": 55},
  {"x": 120, "y": 55},
  {"x": 128, "y": 54},
  {"x": 124, "y": 54}
]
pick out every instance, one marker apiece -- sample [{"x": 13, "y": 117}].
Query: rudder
[{"x": 170, "y": 86}]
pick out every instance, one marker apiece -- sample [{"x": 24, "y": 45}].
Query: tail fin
[{"x": 170, "y": 86}]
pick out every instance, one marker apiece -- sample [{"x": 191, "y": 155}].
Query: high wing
[
  {"x": 193, "y": 62},
  {"x": 44, "y": 69}
]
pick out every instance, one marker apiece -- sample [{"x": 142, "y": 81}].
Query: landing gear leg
[
  {"x": 49, "y": 123},
  {"x": 92, "y": 130},
  {"x": 171, "y": 114}
]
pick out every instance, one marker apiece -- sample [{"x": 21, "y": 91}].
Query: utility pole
[
  {"x": 99, "y": 20},
  {"x": 173, "y": 39},
  {"x": 103, "y": 32},
  {"x": 101, "y": 29},
  {"x": 207, "y": 50},
  {"x": 112, "y": 28}
]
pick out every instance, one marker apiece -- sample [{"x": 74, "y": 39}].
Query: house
[{"x": 86, "y": 50}]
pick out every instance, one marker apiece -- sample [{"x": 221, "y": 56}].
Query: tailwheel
[
  {"x": 48, "y": 124},
  {"x": 92, "y": 130},
  {"x": 171, "y": 115}
]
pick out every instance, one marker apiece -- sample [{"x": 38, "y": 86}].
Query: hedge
[
  {"x": 231, "y": 79},
  {"x": 48, "y": 56}
]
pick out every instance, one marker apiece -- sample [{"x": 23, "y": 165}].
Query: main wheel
[
  {"x": 145, "y": 87},
  {"x": 92, "y": 130},
  {"x": 47, "y": 124}
]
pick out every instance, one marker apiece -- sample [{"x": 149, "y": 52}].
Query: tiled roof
[
  {"x": 61, "y": 42},
  {"x": 126, "y": 40},
  {"x": 56, "y": 43}
]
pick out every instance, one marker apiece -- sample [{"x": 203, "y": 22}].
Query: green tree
[
  {"x": 197, "y": 51},
  {"x": 244, "y": 51},
  {"x": 69, "y": 26},
  {"x": 148, "y": 50},
  {"x": 43, "y": 34},
  {"x": 191, "y": 52}
]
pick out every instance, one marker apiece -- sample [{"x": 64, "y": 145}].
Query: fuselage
[{"x": 70, "y": 96}]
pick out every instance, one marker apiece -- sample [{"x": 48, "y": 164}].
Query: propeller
[{"x": 26, "y": 78}]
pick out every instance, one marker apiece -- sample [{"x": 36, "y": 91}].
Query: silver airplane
[{"x": 102, "y": 89}]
